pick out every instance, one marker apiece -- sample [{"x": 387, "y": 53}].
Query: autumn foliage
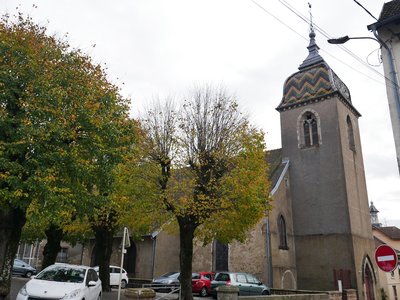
[
  {"x": 63, "y": 129},
  {"x": 212, "y": 170}
]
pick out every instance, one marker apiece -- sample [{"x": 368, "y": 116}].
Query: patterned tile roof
[
  {"x": 307, "y": 84},
  {"x": 312, "y": 83},
  {"x": 314, "y": 80}
]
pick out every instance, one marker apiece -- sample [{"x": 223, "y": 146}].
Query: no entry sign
[{"x": 386, "y": 258}]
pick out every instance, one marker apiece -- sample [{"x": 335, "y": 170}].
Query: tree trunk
[
  {"x": 104, "y": 241},
  {"x": 186, "y": 234},
  {"x": 11, "y": 222},
  {"x": 54, "y": 235}
]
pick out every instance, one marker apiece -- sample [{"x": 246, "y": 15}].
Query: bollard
[
  {"x": 140, "y": 293},
  {"x": 227, "y": 292}
]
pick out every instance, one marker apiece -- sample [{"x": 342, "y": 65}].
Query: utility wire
[
  {"x": 279, "y": 20},
  {"x": 365, "y": 9},
  {"x": 328, "y": 36}
]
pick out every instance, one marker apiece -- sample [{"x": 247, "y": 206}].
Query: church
[{"x": 318, "y": 234}]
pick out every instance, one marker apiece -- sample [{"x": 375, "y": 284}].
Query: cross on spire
[{"x": 311, "y": 22}]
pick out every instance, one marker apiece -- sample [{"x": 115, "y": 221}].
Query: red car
[{"x": 201, "y": 283}]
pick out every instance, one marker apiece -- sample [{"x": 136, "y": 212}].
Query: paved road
[{"x": 18, "y": 282}]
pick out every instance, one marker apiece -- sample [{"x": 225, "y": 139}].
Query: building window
[
  {"x": 282, "y": 234},
  {"x": 350, "y": 134},
  {"x": 308, "y": 130}
]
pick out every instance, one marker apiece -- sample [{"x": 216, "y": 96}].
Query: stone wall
[{"x": 288, "y": 297}]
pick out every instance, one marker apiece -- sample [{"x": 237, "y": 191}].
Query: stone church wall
[
  {"x": 166, "y": 253},
  {"x": 283, "y": 260},
  {"x": 202, "y": 257},
  {"x": 250, "y": 256}
]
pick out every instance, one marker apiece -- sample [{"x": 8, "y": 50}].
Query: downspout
[
  {"x": 268, "y": 251},
  {"x": 154, "y": 238},
  {"x": 393, "y": 79},
  {"x": 83, "y": 248}
]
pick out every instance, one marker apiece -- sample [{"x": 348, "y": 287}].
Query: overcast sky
[{"x": 164, "y": 47}]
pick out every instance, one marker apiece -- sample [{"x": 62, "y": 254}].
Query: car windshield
[{"x": 62, "y": 274}]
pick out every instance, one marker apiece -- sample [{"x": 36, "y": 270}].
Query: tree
[
  {"x": 63, "y": 127},
  {"x": 213, "y": 173}
]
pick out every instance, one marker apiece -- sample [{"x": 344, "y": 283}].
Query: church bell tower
[{"x": 331, "y": 220}]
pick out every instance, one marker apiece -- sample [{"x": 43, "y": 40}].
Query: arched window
[
  {"x": 282, "y": 233},
  {"x": 350, "y": 134},
  {"x": 310, "y": 127},
  {"x": 308, "y": 130}
]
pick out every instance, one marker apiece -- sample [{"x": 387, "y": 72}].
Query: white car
[
  {"x": 64, "y": 282},
  {"x": 114, "y": 276}
]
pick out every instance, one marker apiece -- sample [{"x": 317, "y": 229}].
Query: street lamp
[
  {"x": 393, "y": 79},
  {"x": 345, "y": 38}
]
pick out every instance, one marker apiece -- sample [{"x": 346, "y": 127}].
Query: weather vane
[{"x": 311, "y": 22}]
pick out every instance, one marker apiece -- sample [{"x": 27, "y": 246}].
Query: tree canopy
[
  {"x": 212, "y": 169},
  {"x": 63, "y": 129}
]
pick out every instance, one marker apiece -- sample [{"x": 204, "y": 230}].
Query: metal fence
[{"x": 167, "y": 290}]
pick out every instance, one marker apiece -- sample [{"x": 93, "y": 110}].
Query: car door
[
  {"x": 18, "y": 267},
  {"x": 254, "y": 287},
  {"x": 92, "y": 292},
  {"x": 114, "y": 276},
  {"x": 196, "y": 282},
  {"x": 207, "y": 277},
  {"x": 242, "y": 284}
]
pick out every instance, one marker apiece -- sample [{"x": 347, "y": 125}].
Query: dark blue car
[{"x": 22, "y": 268}]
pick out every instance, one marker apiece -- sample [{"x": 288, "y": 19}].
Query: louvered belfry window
[{"x": 310, "y": 130}]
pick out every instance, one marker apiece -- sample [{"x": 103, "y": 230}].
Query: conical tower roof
[{"x": 315, "y": 81}]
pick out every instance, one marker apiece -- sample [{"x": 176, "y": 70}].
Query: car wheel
[
  {"x": 28, "y": 274},
  {"x": 265, "y": 293},
  {"x": 203, "y": 292},
  {"x": 123, "y": 284}
]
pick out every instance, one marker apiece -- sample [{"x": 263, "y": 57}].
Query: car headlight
[
  {"x": 23, "y": 291},
  {"x": 72, "y": 295}
]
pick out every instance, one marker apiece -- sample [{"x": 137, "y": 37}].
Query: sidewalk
[{"x": 113, "y": 295}]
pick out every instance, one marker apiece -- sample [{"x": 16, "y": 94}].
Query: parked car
[
  {"x": 201, "y": 283},
  {"x": 114, "y": 276},
  {"x": 63, "y": 281},
  {"x": 248, "y": 284},
  {"x": 166, "y": 282},
  {"x": 22, "y": 268}
]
